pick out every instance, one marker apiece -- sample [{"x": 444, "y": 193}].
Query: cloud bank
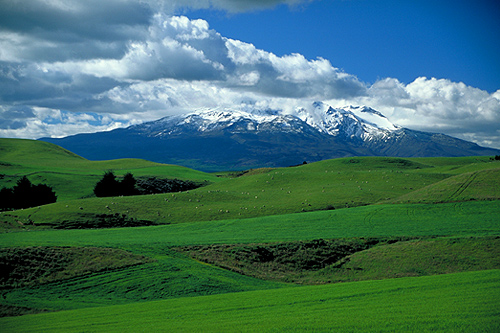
[{"x": 68, "y": 67}]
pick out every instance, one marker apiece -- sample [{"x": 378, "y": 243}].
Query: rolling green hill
[
  {"x": 420, "y": 217},
  {"x": 476, "y": 185},
  {"x": 466, "y": 302},
  {"x": 72, "y": 176},
  {"x": 331, "y": 184},
  {"x": 174, "y": 275}
]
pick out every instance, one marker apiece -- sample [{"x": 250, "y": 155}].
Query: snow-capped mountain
[
  {"x": 361, "y": 123},
  {"x": 351, "y": 122},
  {"x": 223, "y": 139},
  {"x": 206, "y": 121}
]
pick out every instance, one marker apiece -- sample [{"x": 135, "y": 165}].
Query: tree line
[
  {"x": 110, "y": 186},
  {"x": 24, "y": 195}
]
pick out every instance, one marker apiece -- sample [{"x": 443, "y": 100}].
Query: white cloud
[
  {"x": 438, "y": 105},
  {"x": 184, "y": 49},
  {"x": 45, "y": 122},
  {"x": 249, "y": 79},
  {"x": 118, "y": 62},
  {"x": 181, "y": 49},
  {"x": 290, "y": 75},
  {"x": 242, "y": 53}
]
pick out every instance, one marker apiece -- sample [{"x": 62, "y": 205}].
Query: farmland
[{"x": 422, "y": 232}]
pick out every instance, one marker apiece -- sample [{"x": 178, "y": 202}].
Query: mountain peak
[
  {"x": 354, "y": 122},
  {"x": 225, "y": 139}
]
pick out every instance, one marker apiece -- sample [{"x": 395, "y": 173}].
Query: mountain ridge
[{"x": 223, "y": 139}]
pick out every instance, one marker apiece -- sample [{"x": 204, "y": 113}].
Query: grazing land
[
  {"x": 464, "y": 302},
  {"x": 415, "y": 243}
]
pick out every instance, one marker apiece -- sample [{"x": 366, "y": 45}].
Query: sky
[{"x": 74, "y": 66}]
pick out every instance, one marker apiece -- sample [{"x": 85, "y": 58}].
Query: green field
[
  {"x": 331, "y": 184},
  {"x": 420, "y": 244},
  {"x": 71, "y": 176},
  {"x": 466, "y": 302}
]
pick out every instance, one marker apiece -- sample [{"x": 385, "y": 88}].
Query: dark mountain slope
[{"x": 226, "y": 140}]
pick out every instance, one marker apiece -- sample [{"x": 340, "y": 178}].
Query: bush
[
  {"x": 24, "y": 195},
  {"x": 155, "y": 185}
]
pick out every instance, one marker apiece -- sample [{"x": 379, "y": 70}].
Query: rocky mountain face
[{"x": 218, "y": 139}]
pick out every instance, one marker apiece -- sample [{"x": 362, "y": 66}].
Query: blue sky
[
  {"x": 456, "y": 40},
  {"x": 76, "y": 66}
]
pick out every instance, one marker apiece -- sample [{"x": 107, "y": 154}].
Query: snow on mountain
[
  {"x": 212, "y": 120},
  {"x": 359, "y": 122},
  {"x": 353, "y": 122},
  {"x": 224, "y": 139}
]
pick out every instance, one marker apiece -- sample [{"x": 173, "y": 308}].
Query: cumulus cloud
[
  {"x": 39, "y": 122},
  {"x": 438, "y": 105},
  {"x": 180, "y": 49},
  {"x": 40, "y": 30},
  {"x": 84, "y": 66}
]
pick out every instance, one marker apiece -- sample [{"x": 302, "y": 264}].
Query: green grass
[
  {"x": 169, "y": 276},
  {"x": 323, "y": 185},
  {"x": 72, "y": 176},
  {"x": 28, "y": 266},
  {"x": 353, "y": 259},
  {"x": 462, "y": 219},
  {"x": 175, "y": 292},
  {"x": 477, "y": 185},
  {"x": 174, "y": 275},
  {"x": 464, "y": 302},
  {"x": 416, "y": 258}
]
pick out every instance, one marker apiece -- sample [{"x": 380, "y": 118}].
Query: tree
[
  {"x": 43, "y": 195},
  {"x": 108, "y": 186},
  {"x": 24, "y": 195},
  {"x": 6, "y": 198},
  {"x": 127, "y": 185}
]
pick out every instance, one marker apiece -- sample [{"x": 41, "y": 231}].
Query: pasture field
[
  {"x": 175, "y": 275},
  {"x": 72, "y": 176},
  {"x": 450, "y": 219},
  {"x": 463, "y": 302},
  {"x": 430, "y": 225},
  {"x": 331, "y": 184}
]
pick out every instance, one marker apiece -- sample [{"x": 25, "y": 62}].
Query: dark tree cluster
[
  {"x": 497, "y": 157},
  {"x": 109, "y": 186},
  {"x": 24, "y": 195}
]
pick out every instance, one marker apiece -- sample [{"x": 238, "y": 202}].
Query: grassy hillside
[
  {"x": 462, "y": 219},
  {"x": 429, "y": 216},
  {"x": 72, "y": 176},
  {"x": 27, "y": 266},
  {"x": 331, "y": 184},
  {"x": 175, "y": 275},
  {"x": 465, "y": 302},
  {"x": 476, "y": 185},
  {"x": 355, "y": 259}
]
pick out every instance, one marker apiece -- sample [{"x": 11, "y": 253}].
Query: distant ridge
[{"x": 222, "y": 139}]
